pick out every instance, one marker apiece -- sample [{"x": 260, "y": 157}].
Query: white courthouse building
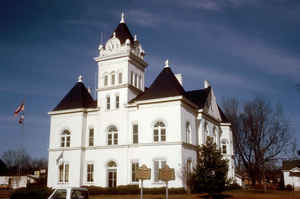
[{"x": 101, "y": 142}]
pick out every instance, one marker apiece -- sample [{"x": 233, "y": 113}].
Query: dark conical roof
[
  {"x": 123, "y": 33},
  {"x": 165, "y": 85},
  {"x": 78, "y": 97}
]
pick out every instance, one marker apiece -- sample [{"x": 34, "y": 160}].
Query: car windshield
[
  {"x": 79, "y": 194},
  {"x": 60, "y": 194}
]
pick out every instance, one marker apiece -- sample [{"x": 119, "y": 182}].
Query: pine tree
[{"x": 210, "y": 173}]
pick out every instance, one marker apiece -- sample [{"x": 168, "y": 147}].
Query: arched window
[
  {"x": 112, "y": 135},
  {"x": 65, "y": 139},
  {"x": 63, "y": 173},
  {"x": 107, "y": 103},
  {"x": 188, "y": 136},
  {"x": 112, "y": 174},
  {"x": 117, "y": 101},
  {"x": 224, "y": 143},
  {"x": 140, "y": 82},
  {"x": 113, "y": 78},
  {"x": 105, "y": 80},
  {"x": 120, "y": 78},
  {"x": 214, "y": 134},
  {"x": 135, "y": 80},
  {"x": 159, "y": 132},
  {"x": 91, "y": 137}
]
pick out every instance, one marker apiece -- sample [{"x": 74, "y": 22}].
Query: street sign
[{"x": 143, "y": 173}]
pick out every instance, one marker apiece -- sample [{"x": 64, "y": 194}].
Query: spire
[
  {"x": 122, "y": 18},
  {"x": 135, "y": 37},
  {"x": 166, "y": 64},
  {"x": 80, "y": 78}
]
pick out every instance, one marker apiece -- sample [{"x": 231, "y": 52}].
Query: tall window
[
  {"x": 91, "y": 137},
  {"x": 105, "y": 80},
  {"x": 158, "y": 164},
  {"x": 117, "y": 102},
  {"x": 224, "y": 146},
  {"x": 159, "y": 132},
  {"x": 113, "y": 79},
  {"x": 135, "y": 134},
  {"x": 189, "y": 167},
  {"x": 107, "y": 103},
  {"x": 188, "y": 135},
  {"x": 112, "y": 174},
  {"x": 134, "y": 167},
  {"x": 65, "y": 139},
  {"x": 63, "y": 173},
  {"x": 135, "y": 80},
  {"x": 120, "y": 78},
  {"x": 140, "y": 82},
  {"x": 112, "y": 136},
  {"x": 131, "y": 77},
  {"x": 90, "y": 173}
]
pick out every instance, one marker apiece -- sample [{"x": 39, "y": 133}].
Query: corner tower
[{"x": 121, "y": 67}]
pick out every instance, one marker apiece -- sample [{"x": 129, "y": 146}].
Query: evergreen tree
[{"x": 210, "y": 173}]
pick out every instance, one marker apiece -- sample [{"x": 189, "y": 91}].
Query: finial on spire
[
  {"x": 122, "y": 18},
  {"x": 166, "y": 64},
  {"x": 80, "y": 78},
  {"x": 135, "y": 37},
  {"x": 114, "y": 34}
]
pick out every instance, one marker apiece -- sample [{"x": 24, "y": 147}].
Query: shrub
[
  {"x": 289, "y": 187},
  {"x": 36, "y": 193},
  {"x": 131, "y": 189}
]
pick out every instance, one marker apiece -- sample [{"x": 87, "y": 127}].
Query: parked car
[{"x": 69, "y": 193}]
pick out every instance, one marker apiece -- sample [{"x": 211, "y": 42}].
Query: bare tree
[
  {"x": 17, "y": 160},
  {"x": 260, "y": 134}
]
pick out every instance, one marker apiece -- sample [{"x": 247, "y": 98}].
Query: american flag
[{"x": 19, "y": 109}]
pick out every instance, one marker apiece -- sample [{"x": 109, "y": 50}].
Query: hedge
[
  {"x": 32, "y": 193},
  {"x": 131, "y": 189}
]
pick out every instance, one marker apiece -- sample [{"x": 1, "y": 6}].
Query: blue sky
[{"x": 245, "y": 48}]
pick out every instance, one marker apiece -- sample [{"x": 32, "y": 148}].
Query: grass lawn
[{"x": 240, "y": 194}]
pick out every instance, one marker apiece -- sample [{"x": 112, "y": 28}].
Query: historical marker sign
[
  {"x": 166, "y": 174},
  {"x": 143, "y": 173}
]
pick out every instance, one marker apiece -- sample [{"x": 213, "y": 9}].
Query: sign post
[
  {"x": 166, "y": 174},
  {"x": 143, "y": 173}
]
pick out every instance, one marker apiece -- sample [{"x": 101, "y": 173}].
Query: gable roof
[
  {"x": 77, "y": 97},
  {"x": 198, "y": 97},
  {"x": 123, "y": 33},
  {"x": 165, "y": 85},
  {"x": 223, "y": 116}
]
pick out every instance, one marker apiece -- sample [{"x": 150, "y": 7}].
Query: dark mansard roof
[{"x": 77, "y": 97}]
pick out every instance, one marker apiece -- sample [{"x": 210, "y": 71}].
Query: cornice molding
[
  {"x": 76, "y": 110},
  {"x": 185, "y": 145}
]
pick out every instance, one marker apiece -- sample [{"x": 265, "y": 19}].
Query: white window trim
[
  {"x": 88, "y": 140},
  {"x": 132, "y": 162},
  {"x": 160, "y": 160},
  {"x": 86, "y": 170},
  {"x": 63, "y": 173},
  {"x": 159, "y": 128},
  {"x": 113, "y": 136},
  {"x": 65, "y": 136}
]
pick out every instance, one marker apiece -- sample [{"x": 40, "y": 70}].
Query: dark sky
[{"x": 245, "y": 48}]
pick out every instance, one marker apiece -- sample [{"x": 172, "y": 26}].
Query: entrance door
[{"x": 112, "y": 178}]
